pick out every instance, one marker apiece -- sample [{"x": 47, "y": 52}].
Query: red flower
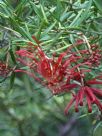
[
  {"x": 92, "y": 96},
  {"x": 65, "y": 73},
  {"x": 51, "y": 69},
  {"x": 4, "y": 69},
  {"x": 94, "y": 57}
]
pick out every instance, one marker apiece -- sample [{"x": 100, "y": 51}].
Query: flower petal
[
  {"x": 89, "y": 103},
  {"x": 81, "y": 93},
  {"x": 90, "y": 93}
]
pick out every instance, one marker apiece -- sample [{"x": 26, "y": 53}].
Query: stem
[
  {"x": 20, "y": 129},
  {"x": 82, "y": 80},
  {"x": 87, "y": 42}
]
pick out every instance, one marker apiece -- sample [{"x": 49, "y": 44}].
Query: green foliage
[
  {"x": 98, "y": 4},
  {"x": 98, "y": 130},
  {"x": 27, "y": 108}
]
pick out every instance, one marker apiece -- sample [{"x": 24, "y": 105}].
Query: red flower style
[
  {"x": 63, "y": 74},
  {"x": 91, "y": 95}
]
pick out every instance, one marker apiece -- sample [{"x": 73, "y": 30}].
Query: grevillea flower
[
  {"x": 92, "y": 95},
  {"x": 64, "y": 73},
  {"x": 86, "y": 90},
  {"x": 52, "y": 70}
]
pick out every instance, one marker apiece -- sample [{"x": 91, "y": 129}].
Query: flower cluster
[
  {"x": 65, "y": 73},
  {"x": 90, "y": 93},
  {"x": 4, "y": 69},
  {"x": 93, "y": 55}
]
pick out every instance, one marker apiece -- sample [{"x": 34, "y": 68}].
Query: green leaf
[
  {"x": 36, "y": 10},
  {"x": 58, "y": 9},
  {"x": 98, "y": 130},
  {"x": 12, "y": 56},
  {"x": 82, "y": 1},
  {"x": 98, "y": 4},
  {"x": 44, "y": 14},
  {"x": 12, "y": 78},
  {"x": 50, "y": 28},
  {"x": 65, "y": 15},
  {"x": 1, "y": 81},
  {"x": 20, "y": 7},
  {"x": 82, "y": 16}
]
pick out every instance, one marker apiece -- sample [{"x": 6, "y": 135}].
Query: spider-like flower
[
  {"x": 64, "y": 73},
  {"x": 54, "y": 71},
  {"x": 92, "y": 95}
]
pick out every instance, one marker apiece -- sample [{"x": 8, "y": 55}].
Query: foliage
[{"x": 26, "y": 107}]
